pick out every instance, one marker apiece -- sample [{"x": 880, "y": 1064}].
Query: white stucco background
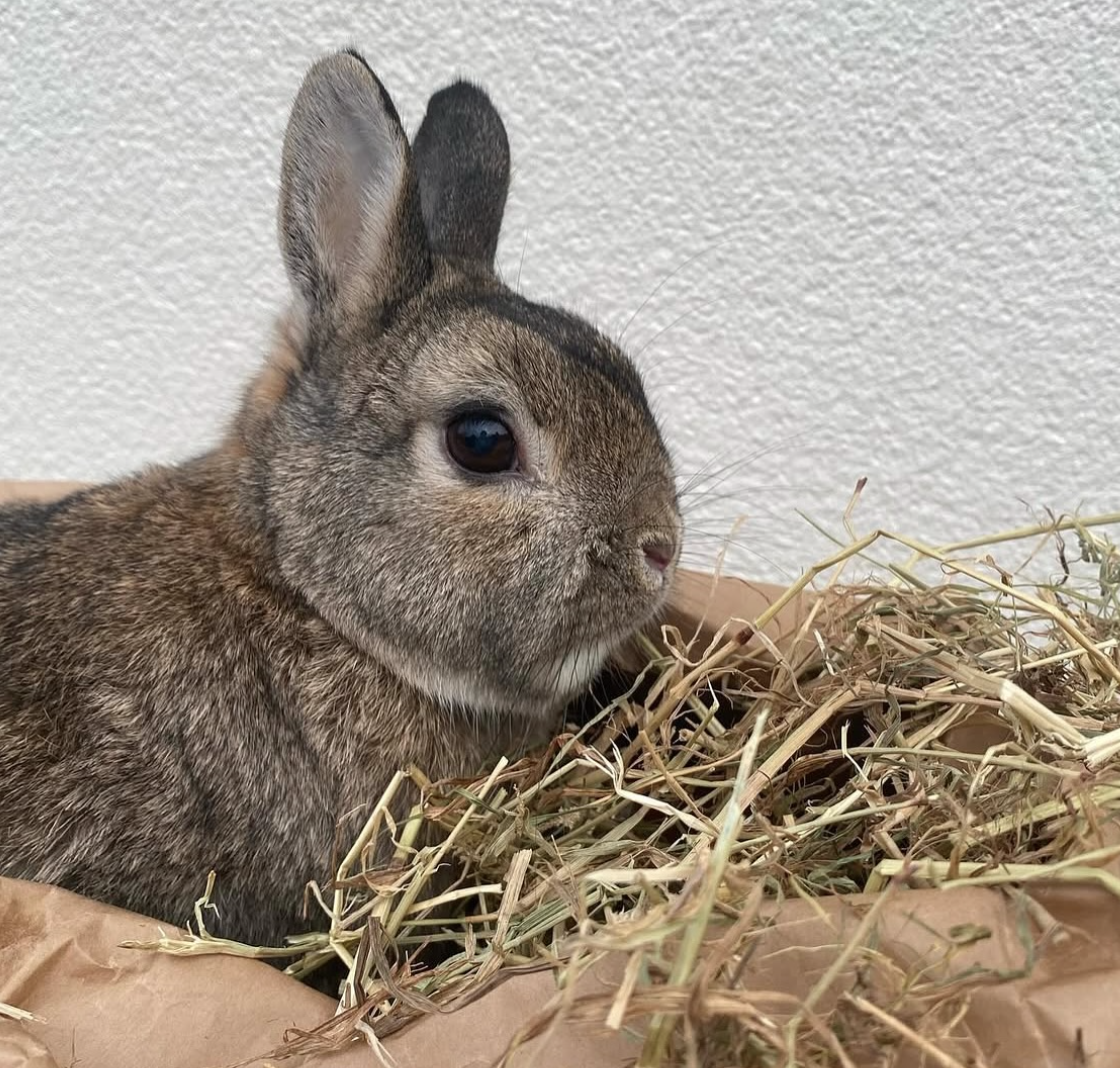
[{"x": 867, "y": 239}]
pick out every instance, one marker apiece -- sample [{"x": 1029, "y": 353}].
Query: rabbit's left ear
[
  {"x": 461, "y": 153},
  {"x": 351, "y": 229}
]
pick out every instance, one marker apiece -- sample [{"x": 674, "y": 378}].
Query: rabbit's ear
[
  {"x": 462, "y": 160},
  {"x": 351, "y": 229}
]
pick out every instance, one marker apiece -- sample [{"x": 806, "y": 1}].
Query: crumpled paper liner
[
  {"x": 36, "y": 491},
  {"x": 105, "y": 1007},
  {"x": 101, "y": 1006}
]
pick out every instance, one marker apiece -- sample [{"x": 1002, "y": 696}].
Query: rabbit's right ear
[
  {"x": 462, "y": 159},
  {"x": 351, "y": 228}
]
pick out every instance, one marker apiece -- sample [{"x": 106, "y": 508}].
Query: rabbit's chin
[{"x": 550, "y": 686}]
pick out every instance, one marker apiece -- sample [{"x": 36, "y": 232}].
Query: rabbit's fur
[{"x": 208, "y": 666}]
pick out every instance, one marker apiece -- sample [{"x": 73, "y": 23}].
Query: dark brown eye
[{"x": 481, "y": 443}]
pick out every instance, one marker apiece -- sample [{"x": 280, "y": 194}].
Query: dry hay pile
[{"x": 737, "y": 774}]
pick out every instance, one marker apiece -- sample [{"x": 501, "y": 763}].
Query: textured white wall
[{"x": 905, "y": 217}]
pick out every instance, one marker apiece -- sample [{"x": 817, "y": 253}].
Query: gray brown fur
[{"x": 210, "y": 665}]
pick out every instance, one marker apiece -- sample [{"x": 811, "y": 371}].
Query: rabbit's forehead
[{"x": 552, "y": 365}]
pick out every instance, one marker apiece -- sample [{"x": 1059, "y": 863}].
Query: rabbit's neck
[{"x": 370, "y": 722}]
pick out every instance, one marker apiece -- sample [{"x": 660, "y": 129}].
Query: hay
[
  {"x": 11, "y": 1012},
  {"x": 737, "y": 774}
]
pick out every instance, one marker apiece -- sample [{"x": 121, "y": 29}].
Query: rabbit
[{"x": 437, "y": 512}]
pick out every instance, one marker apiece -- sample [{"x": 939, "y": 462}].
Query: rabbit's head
[{"x": 468, "y": 485}]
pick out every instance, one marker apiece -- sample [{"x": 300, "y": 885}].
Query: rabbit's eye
[{"x": 482, "y": 444}]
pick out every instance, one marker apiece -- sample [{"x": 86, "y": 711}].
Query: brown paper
[
  {"x": 106, "y": 1007},
  {"x": 36, "y": 491},
  {"x": 102, "y": 1006}
]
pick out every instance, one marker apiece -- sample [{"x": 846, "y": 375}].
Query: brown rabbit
[{"x": 439, "y": 510}]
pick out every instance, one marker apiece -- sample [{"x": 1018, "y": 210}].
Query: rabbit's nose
[{"x": 658, "y": 552}]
